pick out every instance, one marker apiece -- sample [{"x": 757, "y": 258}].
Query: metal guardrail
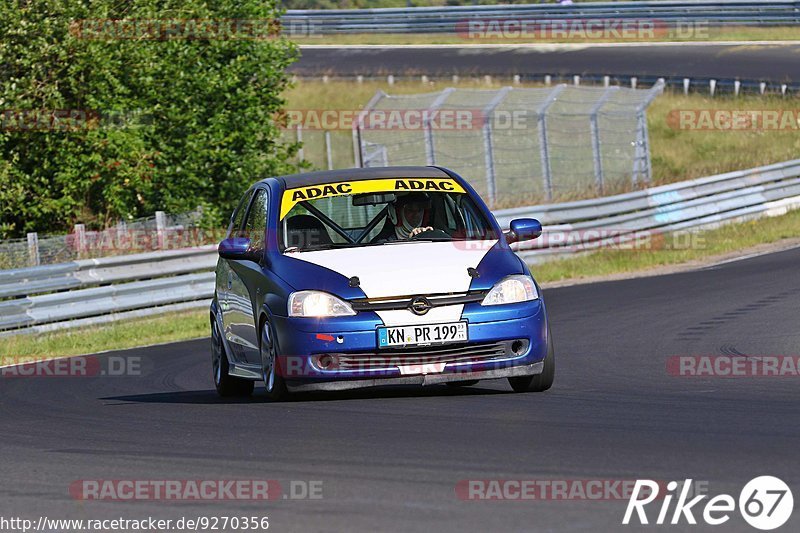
[
  {"x": 45, "y": 297},
  {"x": 99, "y": 290},
  {"x": 701, "y": 203},
  {"x": 447, "y": 19}
]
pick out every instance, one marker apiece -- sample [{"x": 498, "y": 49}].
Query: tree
[{"x": 110, "y": 110}]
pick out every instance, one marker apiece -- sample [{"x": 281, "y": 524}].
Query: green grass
[
  {"x": 168, "y": 327},
  {"x": 735, "y": 33},
  {"x": 672, "y": 250},
  {"x": 680, "y": 154}
]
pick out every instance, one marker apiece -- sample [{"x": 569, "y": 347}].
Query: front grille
[
  {"x": 404, "y": 302},
  {"x": 465, "y": 353}
]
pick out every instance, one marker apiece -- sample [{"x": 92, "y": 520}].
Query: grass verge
[
  {"x": 168, "y": 327},
  {"x": 703, "y": 245}
]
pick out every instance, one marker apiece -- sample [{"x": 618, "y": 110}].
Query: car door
[
  {"x": 248, "y": 280},
  {"x": 225, "y": 281}
]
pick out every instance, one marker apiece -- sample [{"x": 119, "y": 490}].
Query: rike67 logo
[{"x": 765, "y": 503}]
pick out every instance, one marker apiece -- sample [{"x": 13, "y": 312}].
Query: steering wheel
[{"x": 435, "y": 234}]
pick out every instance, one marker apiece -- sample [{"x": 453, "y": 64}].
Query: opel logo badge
[{"x": 420, "y": 305}]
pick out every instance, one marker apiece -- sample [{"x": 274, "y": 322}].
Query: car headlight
[
  {"x": 512, "y": 289},
  {"x": 317, "y": 304}
]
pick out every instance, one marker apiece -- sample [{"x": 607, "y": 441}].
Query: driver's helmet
[{"x": 410, "y": 211}]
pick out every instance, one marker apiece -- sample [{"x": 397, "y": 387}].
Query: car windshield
[{"x": 379, "y": 212}]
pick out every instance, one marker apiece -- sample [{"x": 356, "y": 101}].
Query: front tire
[
  {"x": 274, "y": 385},
  {"x": 225, "y": 384},
  {"x": 539, "y": 382}
]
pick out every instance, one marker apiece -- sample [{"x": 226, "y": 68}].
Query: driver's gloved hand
[{"x": 417, "y": 231}]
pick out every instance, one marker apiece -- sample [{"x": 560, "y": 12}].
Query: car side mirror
[
  {"x": 235, "y": 248},
  {"x": 523, "y": 229}
]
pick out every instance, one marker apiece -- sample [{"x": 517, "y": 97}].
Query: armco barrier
[
  {"x": 447, "y": 19},
  {"x": 87, "y": 272},
  {"x": 99, "y": 290},
  {"x": 701, "y": 203},
  {"x": 46, "y": 297}
]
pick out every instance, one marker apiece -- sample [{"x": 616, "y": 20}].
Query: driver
[{"x": 409, "y": 214}]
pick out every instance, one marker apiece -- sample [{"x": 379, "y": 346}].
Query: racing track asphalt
[
  {"x": 390, "y": 458},
  {"x": 776, "y": 63}
]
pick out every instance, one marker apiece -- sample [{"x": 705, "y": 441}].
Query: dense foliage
[{"x": 98, "y": 124}]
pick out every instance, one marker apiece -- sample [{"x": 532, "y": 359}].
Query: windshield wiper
[{"x": 330, "y": 246}]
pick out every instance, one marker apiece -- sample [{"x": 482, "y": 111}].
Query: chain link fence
[
  {"x": 517, "y": 146},
  {"x": 159, "y": 232}
]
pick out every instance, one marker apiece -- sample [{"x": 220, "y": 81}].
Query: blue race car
[{"x": 374, "y": 276}]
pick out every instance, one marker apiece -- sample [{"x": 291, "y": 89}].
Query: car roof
[{"x": 358, "y": 174}]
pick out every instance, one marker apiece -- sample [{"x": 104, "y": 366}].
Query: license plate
[{"x": 422, "y": 335}]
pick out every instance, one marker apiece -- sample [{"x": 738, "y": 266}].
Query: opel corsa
[{"x": 376, "y": 276}]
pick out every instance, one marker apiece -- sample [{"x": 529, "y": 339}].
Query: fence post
[
  {"x": 328, "y": 152},
  {"x": 358, "y": 126},
  {"x": 33, "y": 249},
  {"x": 430, "y": 151},
  {"x": 640, "y": 148},
  {"x": 595, "y": 131},
  {"x": 80, "y": 238},
  {"x": 544, "y": 148},
  {"x": 299, "y": 138},
  {"x": 122, "y": 235},
  {"x": 358, "y": 160},
  {"x": 161, "y": 227},
  {"x": 641, "y": 162},
  {"x": 488, "y": 151}
]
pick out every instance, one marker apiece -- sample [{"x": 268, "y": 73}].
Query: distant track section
[{"x": 774, "y": 64}]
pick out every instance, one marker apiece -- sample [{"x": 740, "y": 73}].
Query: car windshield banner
[{"x": 327, "y": 190}]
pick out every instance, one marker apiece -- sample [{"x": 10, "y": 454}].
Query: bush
[{"x": 97, "y": 129}]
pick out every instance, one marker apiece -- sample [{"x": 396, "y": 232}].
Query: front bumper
[
  {"x": 423, "y": 379},
  {"x": 302, "y": 342}
]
